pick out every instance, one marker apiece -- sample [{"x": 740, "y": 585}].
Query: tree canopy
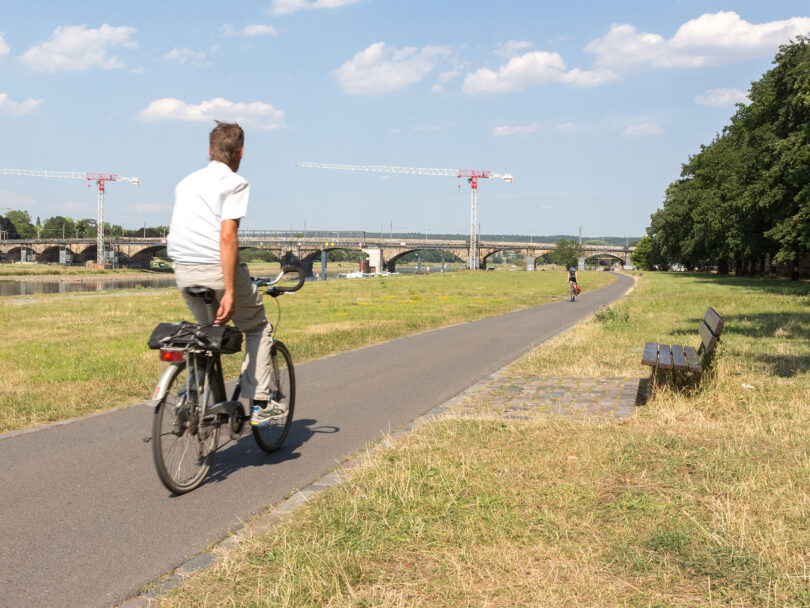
[{"x": 745, "y": 196}]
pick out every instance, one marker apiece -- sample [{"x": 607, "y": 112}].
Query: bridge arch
[
  {"x": 391, "y": 263},
  {"x": 11, "y": 255},
  {"x": 140, "y": 258},
  {"x": 606, "y": 255}
]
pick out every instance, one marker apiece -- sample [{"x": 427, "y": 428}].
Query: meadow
[
  {"x": 65, "y": 356},
  {"x": 700, "y": 499}
]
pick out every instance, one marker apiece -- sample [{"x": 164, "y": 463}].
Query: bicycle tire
[
  {"x": 271, "y": 433},
  {"x": 182, "y": 460}
]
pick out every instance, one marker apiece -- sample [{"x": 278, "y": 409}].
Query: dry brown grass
[{"x": 700, "y": 499}]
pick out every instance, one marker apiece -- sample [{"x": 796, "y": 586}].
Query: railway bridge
[{"x": 383, "y": 253}]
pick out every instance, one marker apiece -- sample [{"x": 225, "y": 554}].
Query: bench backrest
[{"x": 710, "y": 328}]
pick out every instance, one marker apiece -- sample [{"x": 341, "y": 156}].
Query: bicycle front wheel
[
  {"x": 271, "y": 432},
  {"x": 182, "y": 448}
]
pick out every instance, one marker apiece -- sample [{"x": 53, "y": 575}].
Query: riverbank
[
  {"x": 74, "y": 356},
  {"x": 699, "y": 499}
]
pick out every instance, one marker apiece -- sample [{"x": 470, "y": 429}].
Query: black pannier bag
[{"x": 216, "y": 338}]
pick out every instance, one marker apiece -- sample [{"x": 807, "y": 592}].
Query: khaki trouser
[{"x": 248, "y": 317}]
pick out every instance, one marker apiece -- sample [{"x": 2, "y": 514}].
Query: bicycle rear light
[{"x": 171, "y": 356}]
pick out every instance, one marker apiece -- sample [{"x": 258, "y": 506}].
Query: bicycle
[
  {"x": 574, "y": 291},
  {"x": 191, "y": 396}
]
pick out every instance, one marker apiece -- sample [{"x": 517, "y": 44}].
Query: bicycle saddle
[{"x": 197, "y": 291}]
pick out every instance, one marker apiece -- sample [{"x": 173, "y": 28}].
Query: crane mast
[
  {"x": 470, "y": 175},
  {"x": 99, "y": 178}
]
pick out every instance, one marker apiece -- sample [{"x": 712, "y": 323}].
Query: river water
[
  {"x": 10, "y": 288},
  {"x": 25, "y": 288}
]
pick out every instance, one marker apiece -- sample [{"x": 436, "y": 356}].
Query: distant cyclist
[{"x": 572, "y": 279}]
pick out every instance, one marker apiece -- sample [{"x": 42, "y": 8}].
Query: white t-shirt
[{"x": 202, "y": 200}]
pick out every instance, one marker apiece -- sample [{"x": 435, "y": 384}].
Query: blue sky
[{"x": 593, "y": 106}]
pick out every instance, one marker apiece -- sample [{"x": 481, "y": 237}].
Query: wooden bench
[{"x": 686, "y": 358}]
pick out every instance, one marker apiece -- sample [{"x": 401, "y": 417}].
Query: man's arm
[{"x": 229, "y": 257}]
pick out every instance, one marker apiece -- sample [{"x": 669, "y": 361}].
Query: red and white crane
[
  {"x": 470, "y": 175},
  {"x": 99, "y": 178}
]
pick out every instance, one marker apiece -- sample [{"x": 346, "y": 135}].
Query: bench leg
[{"x": 653, "y": 382}]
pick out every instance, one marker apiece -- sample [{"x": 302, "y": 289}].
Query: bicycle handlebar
[{"x": 276, "y": 290}]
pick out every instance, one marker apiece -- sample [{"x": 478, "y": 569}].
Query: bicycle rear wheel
[
  {"x": 271, "y": 432},
  {"x": 182, "y": 450}
]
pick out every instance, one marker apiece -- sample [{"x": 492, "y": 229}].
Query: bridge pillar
[
  {"x": 323, "y": 264},
  {"x": 375, "y": 259},
  {"x": 530, "y": 263}
]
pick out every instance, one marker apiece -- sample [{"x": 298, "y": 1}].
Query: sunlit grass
[
  {"x": 66, "y": 356},
  {"x": 700, "y": 499}
]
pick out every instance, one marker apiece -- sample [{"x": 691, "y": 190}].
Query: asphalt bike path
[{"x": 85, "y": 521}]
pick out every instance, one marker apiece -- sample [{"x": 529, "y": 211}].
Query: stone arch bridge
[{"x": 383, "y": 253}]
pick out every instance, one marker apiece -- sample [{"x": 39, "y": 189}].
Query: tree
[
  {"x": 86, "y": 228},
  {"x": 566, "y": 253},
  {"x": 645, "y": 255},
  {"x": 22, "y": 224},
  {"x": 7, "y": 229},
  {"x": 746, "y": 196},
  {"x": 58, "y": 227}
]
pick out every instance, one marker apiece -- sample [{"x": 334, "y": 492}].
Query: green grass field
[
  {"x": 71, "y": 355},
  {"x": 700, "y": 499}
]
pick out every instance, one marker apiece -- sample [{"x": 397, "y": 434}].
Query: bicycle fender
[{"x": 163, "y": 383}]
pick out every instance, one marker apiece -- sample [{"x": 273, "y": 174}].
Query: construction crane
[
  {"x": 99, "y": 178},
  {"x": 471, "y": 176}
]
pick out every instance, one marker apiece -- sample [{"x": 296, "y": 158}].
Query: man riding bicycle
[{"x": 204, "y": 246}]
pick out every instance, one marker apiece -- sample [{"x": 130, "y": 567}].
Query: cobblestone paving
[{"x": 564, "y": 397}]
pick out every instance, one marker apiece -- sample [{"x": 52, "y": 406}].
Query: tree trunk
[
  {"x": 722, "y": 267},
  {"x": 794, "y": 269}
]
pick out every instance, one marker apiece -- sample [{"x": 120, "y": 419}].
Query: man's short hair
[{"x": 225, "y": 142}]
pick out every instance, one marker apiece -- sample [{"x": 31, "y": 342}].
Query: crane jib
[{"x": 471, "y": 176}]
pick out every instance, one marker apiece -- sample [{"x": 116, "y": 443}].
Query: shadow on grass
[
  {"x": 769, "y": 285},
  {"x": 785, "y": 366}
]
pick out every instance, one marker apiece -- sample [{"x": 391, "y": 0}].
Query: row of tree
[
  {"x": 18, "y": 225},
  {"x": 743, "y": 201}
]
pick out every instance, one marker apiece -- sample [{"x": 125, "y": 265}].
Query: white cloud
[
  {"x": 249, "y": 30},
  {"x": 721, "y": 98},
  {"x": 256, "y": 114},
  {"x": 449, "y": 75},
  {"x": 288, "y": 7},
  {"x": 642, "y": 130},
  {"x": 379, "y": 69},
  {"x": 15, "y": 201},
  {"x": 538, "y": 67},
  {"x": 14, "y": 108},
  {"x": 511, "y": 47},
  {"x": 187, "y": 57},
  {"x": 565, "y": 126},
  {"x": 506, "y": 131},
  {"x": 73, "y": 48},
  {"x": 711, "y": 39},
  {"x": 4, "y": 50}
]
